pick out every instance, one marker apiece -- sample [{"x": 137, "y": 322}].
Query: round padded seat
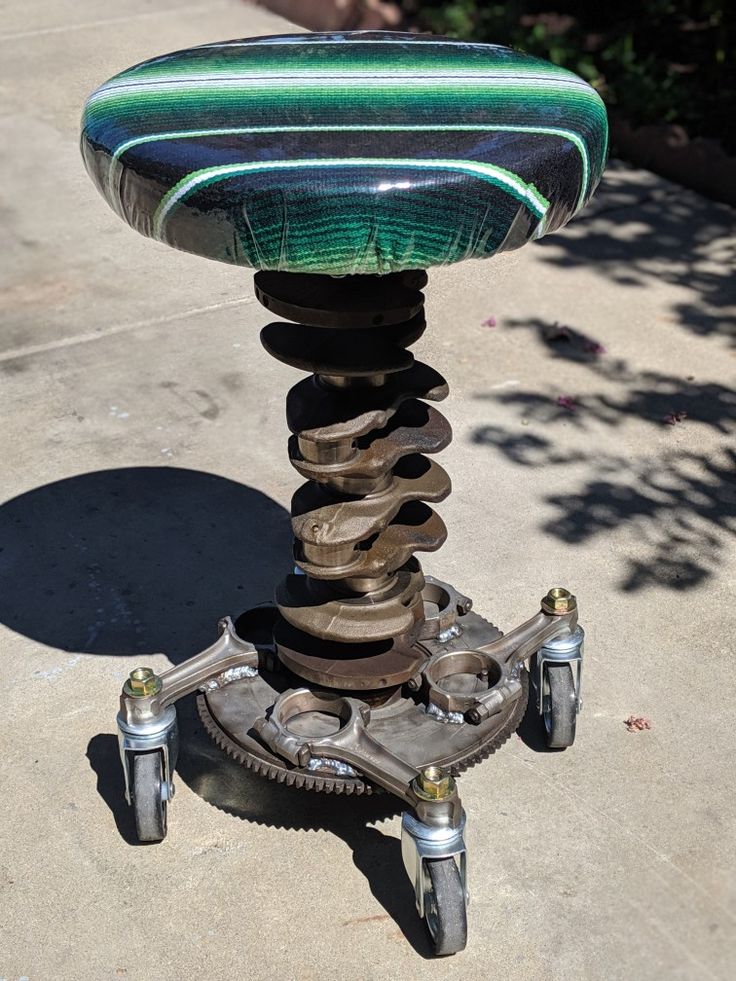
[{"x": 366, "y": 152}]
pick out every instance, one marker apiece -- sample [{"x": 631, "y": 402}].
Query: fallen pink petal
[
  {"x": 491, "y": 322},
  {"x": 567, "y": 402},
  {"x": 672, "y": 418},
  {"x": 637, "y": 723}
]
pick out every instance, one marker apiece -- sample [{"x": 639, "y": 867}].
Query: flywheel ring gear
[{"x": 302, "y": 779}]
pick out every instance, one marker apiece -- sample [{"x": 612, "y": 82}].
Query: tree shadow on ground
[
  {"x": 639, "y": 233},
  {"x": 682, "y": 502}
]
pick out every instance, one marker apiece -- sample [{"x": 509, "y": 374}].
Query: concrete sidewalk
[{"x": 145, "y": 485}]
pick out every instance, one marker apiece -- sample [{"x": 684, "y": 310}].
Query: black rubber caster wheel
[
  {"x": 559, "y": 705},
  {"x": 146, "y": 791},
  {"x": 445, "y": 911}
]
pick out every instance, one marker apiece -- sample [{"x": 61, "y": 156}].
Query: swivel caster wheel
[
  {"x": 147, "y": 794},
  {"x": 559, "y": 705},
  {"x": 557, "y": 673},
  {"x": 435, "y": 859},
  {"x": 445, "y": 907}
]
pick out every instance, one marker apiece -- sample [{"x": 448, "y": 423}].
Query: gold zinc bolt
[
  {"x": 434, "y": 783},
  {"x": 142, "y": 681},
  {"x": 559, "y": 601}
]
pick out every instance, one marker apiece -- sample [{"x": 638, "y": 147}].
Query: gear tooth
[
  {"x": 348, "y": 785},
  {"x": 502, "y": 736},
  {"x": 272, "y": 771}
]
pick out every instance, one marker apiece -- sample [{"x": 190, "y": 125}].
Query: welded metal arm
[
  {"x": 352, "y": 744},
  {"x": 227, "y": 654},
  {"x": 523, "y": 641}
]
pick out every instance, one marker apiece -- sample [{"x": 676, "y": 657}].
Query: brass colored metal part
[
  {"x": 360, "y": 434},
  {"x": 142, "y": 682},
  {"x": 324, "y": 610},
  {"x": 558, "y": 601},
  {"x": 350, "y": 301},
  {"x": 434, "y": 783},
  {"x": 349, "y": 667}
]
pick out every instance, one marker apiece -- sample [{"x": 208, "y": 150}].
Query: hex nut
[
  {"x": 415, "y": 683},
  {"x": 434, "y": 783},
  {"x": 142, "y": 682},
  {"x": 558, "y": 601}
]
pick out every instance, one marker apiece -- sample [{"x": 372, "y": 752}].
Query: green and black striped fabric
[{"x": 366, "y": 152}]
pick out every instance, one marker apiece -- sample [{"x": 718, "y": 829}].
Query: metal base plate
[{"x": 402, "y": 724}]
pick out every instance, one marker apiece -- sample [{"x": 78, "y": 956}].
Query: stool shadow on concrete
[
  {"x": 139, "y": 560},
  {"x": 224, "y": 784},
  {"x": 376, "y": 855}
]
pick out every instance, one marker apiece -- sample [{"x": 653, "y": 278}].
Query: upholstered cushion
[{"x": 345, "y": 153}]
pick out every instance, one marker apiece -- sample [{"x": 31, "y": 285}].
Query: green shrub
[{"x": 654, "y": 60}]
